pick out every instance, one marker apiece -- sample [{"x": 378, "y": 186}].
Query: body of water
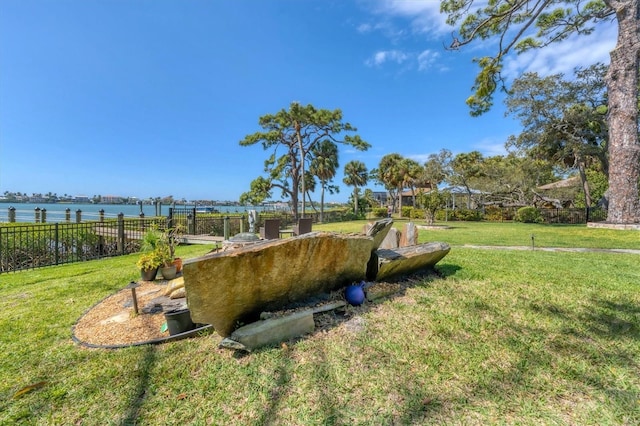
[{"x": 56, "y": 212}]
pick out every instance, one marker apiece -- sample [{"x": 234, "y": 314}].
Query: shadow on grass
[
  {"x": 143, "y": 375},
  {"x": 327, "y": 402},
  {"x": 590, "y": 346}
]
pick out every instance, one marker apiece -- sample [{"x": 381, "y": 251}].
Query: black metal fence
[
  {"x": 33, "y": 245},
  {"x": 28, "y": 246}
]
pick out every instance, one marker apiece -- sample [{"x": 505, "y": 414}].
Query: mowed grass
[{"x": 495, "y": 337}]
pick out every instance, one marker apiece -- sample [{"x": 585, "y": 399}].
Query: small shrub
[
  {"x": 494, "y": 214},
  {"x": 417, "y": 214},
  {"x": 528, "y": 215},
  {"x": 379, "y": 212},
  {"x": 465, "y": 215}
]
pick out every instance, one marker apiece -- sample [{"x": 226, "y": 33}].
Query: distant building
[
  {"x": 407, "y": 196},
  {"x": 111, "y": 199},
  {"x": 81, "y": 199},
  {"x": 36, "y": 199},
  {"x": 381, "y": 197}
]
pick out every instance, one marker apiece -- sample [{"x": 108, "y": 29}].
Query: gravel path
[{"x": 566, "y": 249}]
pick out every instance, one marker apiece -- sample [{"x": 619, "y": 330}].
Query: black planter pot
[
  {"x": 148, "y": 274},
  {"x": 179, "y": 321}
]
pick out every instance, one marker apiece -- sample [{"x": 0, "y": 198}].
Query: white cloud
[
  {"x": 364, "y": 28},
  {"x": 426, "y": 59},
  {"x": 383, "y": 56},
  {"x": 578, "y": 50},
  {"x": 423, "y": 61},
  {"x": 490, "y": 148},
  {"x": 425, "y": 16}
]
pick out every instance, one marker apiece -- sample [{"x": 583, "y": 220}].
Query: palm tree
[
  {"x": 390, "y": 175},
  {"x": 356, "y": 175},
  {"x": 324, "y": 164},
  {"x": 411, "y": 170}
]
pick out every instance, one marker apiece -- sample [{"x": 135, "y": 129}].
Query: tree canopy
[
  {"x": 521, "y": 25},
  {"x": 564, "y": 120},
  {"x": 292, "y": 135}
]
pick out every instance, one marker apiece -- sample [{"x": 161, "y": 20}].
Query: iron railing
[{"x": 29, "y": 246}]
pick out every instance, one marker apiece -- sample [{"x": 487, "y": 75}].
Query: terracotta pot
[{"x": 178, "y": 262}]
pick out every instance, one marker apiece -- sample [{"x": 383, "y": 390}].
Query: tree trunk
[
  {"x": 624, "y": 147},
  {"x": 302, "y": 155},
  {"x": 585, "y": 184},
  {"x": 355, "y": 200},
  {"x": 322, "y": 204}
]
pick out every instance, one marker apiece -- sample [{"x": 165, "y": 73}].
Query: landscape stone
[
  {"x": 391, "y": 240},
  {"x": 233, "y": 286},
  {"x": 409, "y": 235},
  {"x": 407, "y": 260},
  {"x": 378, "y": 230},
  {"x": 274, "y": 330}
]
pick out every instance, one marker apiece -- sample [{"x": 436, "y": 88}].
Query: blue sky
[{"x": 150, "y": 98}]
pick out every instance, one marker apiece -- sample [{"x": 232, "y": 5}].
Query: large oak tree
[{"x": 513, "y": 23}]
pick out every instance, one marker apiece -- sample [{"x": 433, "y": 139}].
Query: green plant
[
  {"x": 151, "y": 239},
  {"x": 528, "y": 215},
  {"x": 149, "y": 260},
  {"x": 379, "y": 212}
]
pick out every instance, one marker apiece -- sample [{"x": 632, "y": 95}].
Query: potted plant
[
  {"x": 167, "y": 267},
  {"x": 167, "y": 248},
  {"x": 149, "y": 263},
  {"x": 150, "y": 258},
  {"x": 172, "y": 238}
]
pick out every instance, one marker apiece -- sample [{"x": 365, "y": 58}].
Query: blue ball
[{"x": 354, "y": 295}]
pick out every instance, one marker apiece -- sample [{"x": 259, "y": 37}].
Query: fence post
[
  {"x": 67, "y": 215},
  {"x": 12, "y": 214},
  {"x": 120, "y": 243},
  {"x": 57, "y": 238},
  {"x": 226, "y": 227},
  {"x": 242, "y": 224},
  {"x": 101, "y": 213},
  {"x": 78, "y": 216},
  {"x": 44, "y": 215},
  {"x": 37, "y": 214},
  {"x": 191, "y": 224}
]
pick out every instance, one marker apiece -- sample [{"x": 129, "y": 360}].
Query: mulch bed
[{"x": 112, "y": 321}]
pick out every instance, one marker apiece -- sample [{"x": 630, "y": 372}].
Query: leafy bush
[
  {"x": 498, "y": 214},
  {"x": 528, "y": 215},
  {"x": 379, "y": 212},
  {"x": 417, "y": 214}
]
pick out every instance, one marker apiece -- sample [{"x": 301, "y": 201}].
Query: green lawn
[{"x": 498, "y": 337}]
